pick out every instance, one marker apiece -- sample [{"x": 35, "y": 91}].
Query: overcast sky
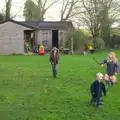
[{"x": 52, "y": 13}]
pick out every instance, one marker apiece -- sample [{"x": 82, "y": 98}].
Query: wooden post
[{"x": 72, "y": 45}]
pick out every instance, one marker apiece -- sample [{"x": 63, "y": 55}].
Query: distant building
[{"x": 13, "y": 34}]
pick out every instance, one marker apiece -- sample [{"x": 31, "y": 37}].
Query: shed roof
[
  {"x": 51, "y": 25},
  {"x": 16, "y": 22}
]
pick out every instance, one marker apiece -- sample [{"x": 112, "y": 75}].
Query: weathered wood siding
[
  {"x": 41, "y": 37},
  {"x": 11, "y": 38},
  {"x": 61, "y": 37}
]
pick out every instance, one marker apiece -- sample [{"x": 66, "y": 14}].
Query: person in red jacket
[{"x": 41, "y": 51}]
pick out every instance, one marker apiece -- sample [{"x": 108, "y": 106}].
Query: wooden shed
[{"x": 12, "y": 37}]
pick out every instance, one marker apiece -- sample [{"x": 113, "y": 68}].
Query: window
[
  {"x": 61, "y": 42},
  {"x": 45, "y": 36},
  {"x": 61, "y": 35},
  {"x": 44, "y": 42}
]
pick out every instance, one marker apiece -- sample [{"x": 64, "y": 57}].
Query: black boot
[
  {"x": 111, "y": 84},
  {"x": 107, "y": 86}
]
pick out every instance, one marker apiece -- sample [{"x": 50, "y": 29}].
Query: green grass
[{"x": 29, "y": 92}]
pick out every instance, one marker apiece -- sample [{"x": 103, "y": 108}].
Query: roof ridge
[
  {"x": 49, "y": 21},
  {"x": 42, "y": 25},
  {"x": 17, "y": 22}
]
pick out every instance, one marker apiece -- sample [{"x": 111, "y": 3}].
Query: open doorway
[
  {"x": 55, "y": 38},
  {"x": 29, "y": 41}
]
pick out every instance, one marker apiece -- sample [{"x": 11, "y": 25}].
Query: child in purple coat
[{"x": 112, "y": 69}]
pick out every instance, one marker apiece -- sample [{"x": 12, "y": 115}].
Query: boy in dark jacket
[
  {"x": 54, "y": 59},
  {"x": 96, "y": 89}
]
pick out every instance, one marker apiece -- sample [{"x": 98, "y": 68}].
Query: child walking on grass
[
  {"x": 96, "y": 89},
  {"x": 112, "y": 69},
  {"x": 54, "y": 59}
]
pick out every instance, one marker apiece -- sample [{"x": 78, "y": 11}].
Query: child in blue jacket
[
  {"x": 112, "y": 69},
  {"x": 96, "y": 89}
]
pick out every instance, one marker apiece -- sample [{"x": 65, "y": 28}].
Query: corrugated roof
[
  {"x": 49, "y": 24},
  {"x": 16, "y": 22}
]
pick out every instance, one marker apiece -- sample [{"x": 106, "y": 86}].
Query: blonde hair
[
  {"x": 99, "y": 74},
  {"x": 41, "y": 47},
  {"x": 114, "y": 59}
]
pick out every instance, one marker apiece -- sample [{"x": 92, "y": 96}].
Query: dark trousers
[
  {"x": 92, "y": 51},
  {"x": 108, "y": 84},
  {"x": 98, "y": 100},
  {"x": 54, "y": 70}
]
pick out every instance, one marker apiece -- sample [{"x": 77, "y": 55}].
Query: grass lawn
[{"x": 29, "y": 92}]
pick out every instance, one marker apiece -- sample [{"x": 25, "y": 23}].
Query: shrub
[
  {"x": 99, "y": 43},
  {"x": 14, "y": 53},
  {"x": 80, "y": 39}
]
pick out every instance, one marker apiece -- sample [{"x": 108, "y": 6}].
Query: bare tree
[
  {"x": 8, "y": 4},
  {"x": 68, "y": 7},
  {"x": 1, "y": 17},
  {"x": 15, "y": 15},
  {"x": 31, "y": 14},
  {"x": 94, "y": 12},
  {"x": 113, "y": 8},
  {"x": 44, "y": 5},
  {"x": 90, "y": 15},
  {"x": 110, "y": 13},
  {"x": 6, "y": 11}
]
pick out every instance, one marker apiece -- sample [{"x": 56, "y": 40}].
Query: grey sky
[{"x": 52, "y": 13}]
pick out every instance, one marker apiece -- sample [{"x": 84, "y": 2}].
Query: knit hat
[{"x": 54, "y": 48}]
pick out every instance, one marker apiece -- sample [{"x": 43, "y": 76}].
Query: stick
[{"x": 96, "y": 61}]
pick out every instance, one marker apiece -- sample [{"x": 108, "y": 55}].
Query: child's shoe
[{"x": 99, "y": 106}]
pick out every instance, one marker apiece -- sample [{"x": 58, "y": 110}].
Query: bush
[
  {"x": 99, "y": 43},
  {"x": 80, "y": 39},
  {"x": 14, "y": 53}
]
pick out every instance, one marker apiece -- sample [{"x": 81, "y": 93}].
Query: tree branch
[
  {"x": 51, "y": 5},
  {"x": 17, "y": 13},
  {"x": 64, "y": 9}
]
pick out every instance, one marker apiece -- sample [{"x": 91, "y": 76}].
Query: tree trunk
[
  {"x": 105, "y": 28},
  {"x": 8, "y": 9}
]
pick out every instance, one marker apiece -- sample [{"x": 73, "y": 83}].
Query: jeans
[
  {"x": 54, "y": 69},
  {"x": 91, "y": 51},
  {"x": 98, "y": 100}
]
